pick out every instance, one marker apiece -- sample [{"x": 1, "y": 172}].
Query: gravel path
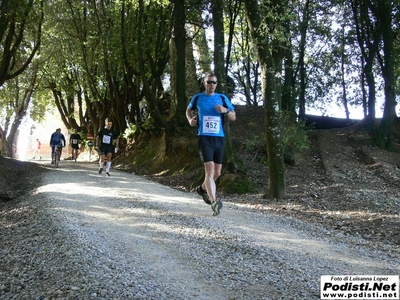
[{"x": 82, "y": 235}]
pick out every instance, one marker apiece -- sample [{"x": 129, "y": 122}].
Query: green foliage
[
  {"x": 130, "y": 131},
  {"x": 264, "y": 160},
  {"x": 240, "y": 185},
  {"x": 252, "y": 144},
  {"x": 21, "y": 23},
  {"x": 150, "y": 126},
  {"x": 41, "y": 103},
  {"x": 256, "y": 142},
  {"x": 294, "y": 137}
]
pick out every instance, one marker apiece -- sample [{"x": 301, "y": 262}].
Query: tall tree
[
  {"x": 384, "y": 13},
  {"x": 345, "y": 67},
  {"x": 20, "y": 40},
  {"x": 180, "y": 74},
  {"x": 301, "y": 63},
  {"x": 221, "y": 67},
  {"x": 260, "y": 16},
  {"x": 18, "y": 93},
  {"x": 368, "y": 38},
  {"x": 20, "y": 34},
  {"x": 217, "y": 9},
  {"x": 247, "y": 68},
  {"x": 120, "y": 59},
  {"x": 233, "y": 9}
]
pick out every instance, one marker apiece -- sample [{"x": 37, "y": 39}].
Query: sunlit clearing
[{"x": 74, "y": 188}]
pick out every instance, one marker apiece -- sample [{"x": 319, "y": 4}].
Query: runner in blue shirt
[
  {"x": 56, "y": 139},
  {"x": 211, "y": 107}
]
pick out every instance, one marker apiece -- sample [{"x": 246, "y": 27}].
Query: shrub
[{"x": 294, "y": 138}]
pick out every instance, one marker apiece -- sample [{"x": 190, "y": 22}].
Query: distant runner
[
  {"x": 56, "y": 139},
  {"x": 37, "y": 149},
  {"x": 74, "y": 141},
  {"x": 105, "y": 146}
]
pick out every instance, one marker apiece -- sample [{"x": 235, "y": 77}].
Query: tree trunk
[
  {"x": 22, "y": 101},
  {"x": 192, "y": 84},
  {"x": 13, "y": 37},
  {"x": 59, "y": 101},
  {"x": 276, "y": 168},
  {"x": 149, "y": 94},
  {"x": 343, "y": 74},
  {"x": 233, "y": 11},
  {"x": 219, "y": 43},
  {"x": 288, "y": 100},
  {"x": 368, "y": 38},
  {"x": 200, "y": 40},
  {"x": 302, "y": 67},
  {"x": 3, "y": 143},
  {"x": 180, "y": 62},
  {"x": 11, "y": 138},
  {"x": 385, "y": 131},
  {"x": 219, "y": 62}
]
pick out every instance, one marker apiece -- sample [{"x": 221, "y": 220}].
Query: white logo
[{"x": 360, "y": 287}]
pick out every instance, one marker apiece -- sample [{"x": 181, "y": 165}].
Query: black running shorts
[
  {"x": 211, "y": 148},
  {"x": 104, "y": 150}
]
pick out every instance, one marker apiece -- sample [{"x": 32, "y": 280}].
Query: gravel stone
[{"x": 81, "y": 235}]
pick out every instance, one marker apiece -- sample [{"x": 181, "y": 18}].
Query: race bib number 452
[{"x": 211, "y": 124}]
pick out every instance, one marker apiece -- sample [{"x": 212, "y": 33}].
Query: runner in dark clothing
[
  {"x": 105, "y": 146},
  {"x": 74, "y": 141}
]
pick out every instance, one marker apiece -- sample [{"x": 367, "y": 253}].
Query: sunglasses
[{"x": 211, "y": 82}]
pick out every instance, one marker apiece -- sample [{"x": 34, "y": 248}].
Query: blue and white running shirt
[{"x": 210, "y": 121}]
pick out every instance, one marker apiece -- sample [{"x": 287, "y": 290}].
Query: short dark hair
[{"x": 209, "y": 74}]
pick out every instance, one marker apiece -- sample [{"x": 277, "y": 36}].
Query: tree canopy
[{"x": 138, "y": 62}]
